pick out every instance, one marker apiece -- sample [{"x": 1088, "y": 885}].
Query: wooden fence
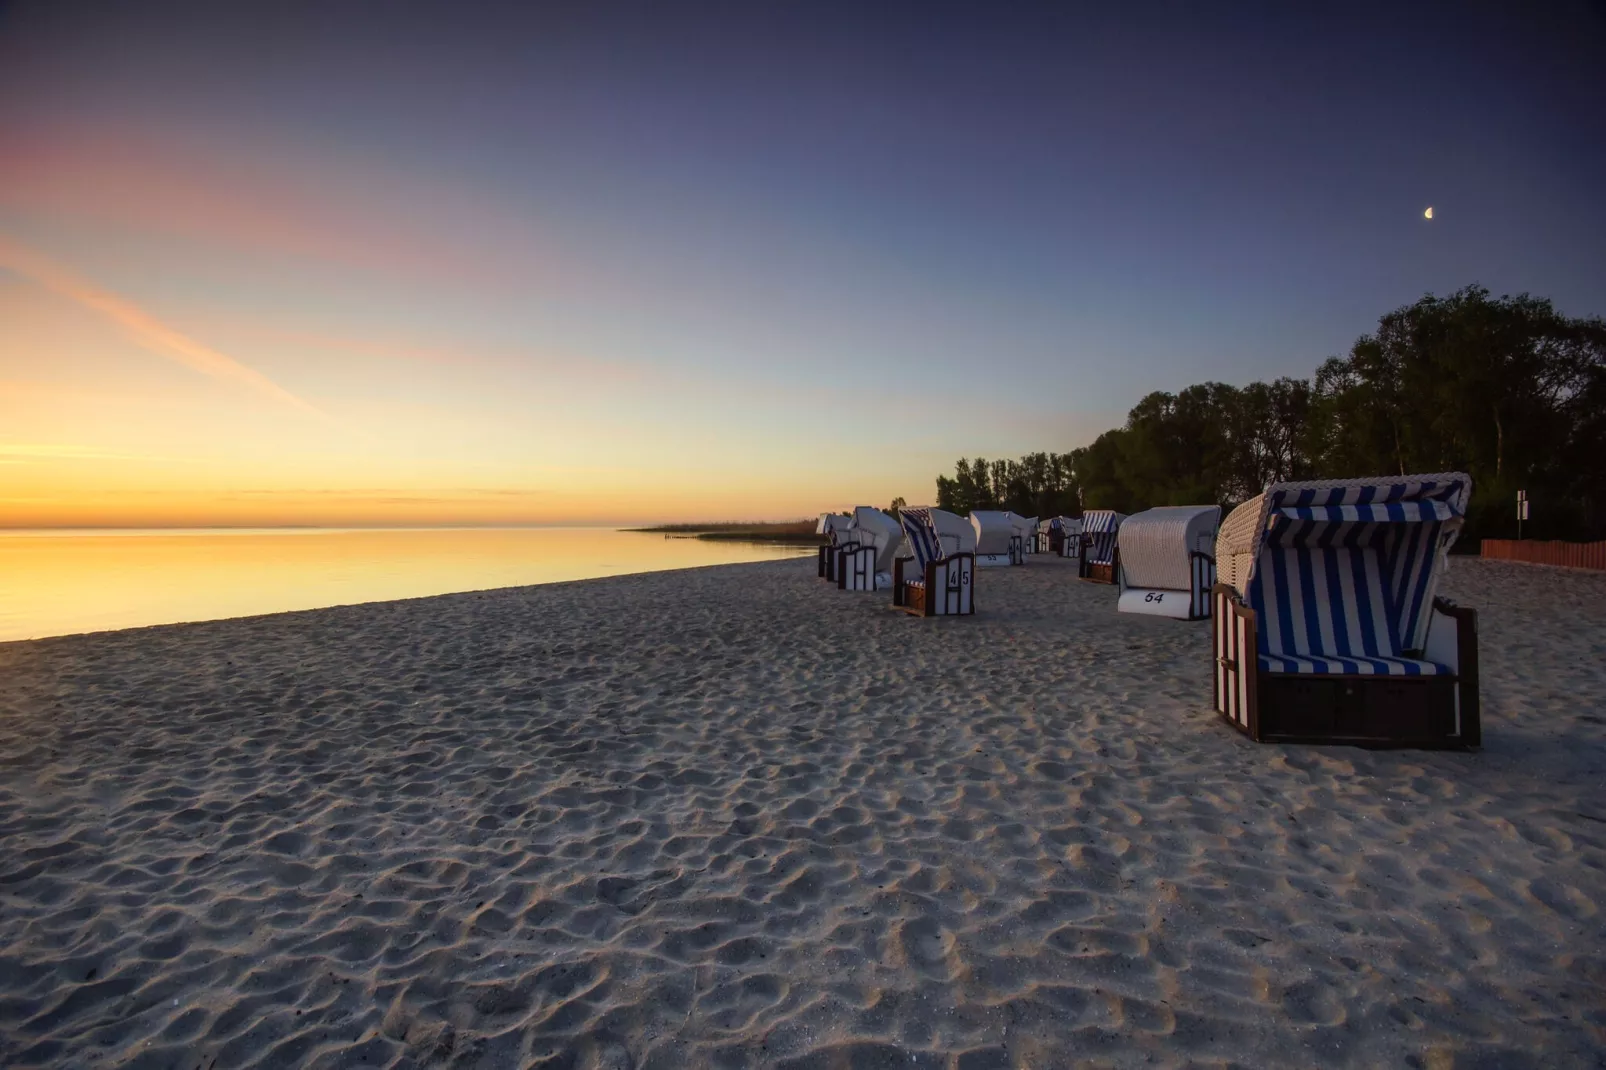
[{"x": 1572, "y": 554}]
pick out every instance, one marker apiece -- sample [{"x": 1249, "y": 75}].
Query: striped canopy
[
  {"x": 1402, "y": 512},
  {"x": 1342, "y": 574},
  {"x": 921, "y": 532},
  {"x": 1101, "y": 524}
]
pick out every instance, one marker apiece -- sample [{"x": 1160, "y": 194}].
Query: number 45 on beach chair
[{"x": 939, "y": 580}]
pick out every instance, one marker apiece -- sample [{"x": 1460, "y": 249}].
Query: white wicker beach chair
[
  {"x": 838, "y": 531},
  {"x": 934, "y": 580},
  {"x": 1167, "y": 561},
  {"x": 1026, "y": 531},
  {"x": 997, "y": 541},
  {"x": 877, "y": 539},
  {"x": 1327, "y": 628},
  {"x": 1099, "y": 553}
]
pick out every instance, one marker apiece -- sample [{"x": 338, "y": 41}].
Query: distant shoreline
[{"x": 797, "y": 532}]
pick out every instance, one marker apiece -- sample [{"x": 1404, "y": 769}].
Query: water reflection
[{"x": 58, "y": 583}]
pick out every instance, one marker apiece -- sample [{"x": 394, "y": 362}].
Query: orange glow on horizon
[
  {"x": 59, "y": 584},
  {"x": 176, "y": 307}
]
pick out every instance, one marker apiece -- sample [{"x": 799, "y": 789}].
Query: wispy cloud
[
  {"x": 274, "y": 196},
  {"x": 144, "y": 328},
  {"x": 477, "y": 355}
]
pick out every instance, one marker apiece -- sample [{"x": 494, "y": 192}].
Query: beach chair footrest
[{"x": 1379, "y": 711}]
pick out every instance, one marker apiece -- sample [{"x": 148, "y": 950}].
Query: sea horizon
[
  {"x": 67, "y": 581},
  {"x": 128, "y": 529}
]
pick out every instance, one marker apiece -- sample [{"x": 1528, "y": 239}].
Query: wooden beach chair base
[
  {"x": 1428, "y": 712},
  {"x": 1100, "y": 572},
  {"x": 947, "y": 588},
  {"x": 835, "y": 559},
  {"x": 855, "y": 569}
]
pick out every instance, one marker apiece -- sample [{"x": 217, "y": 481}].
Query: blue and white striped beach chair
[
  {"x": 1327, "y": 628},
  {"x": 1060, "y": 536},
  {"x": 1099, "y": 556},
  {"x": 932, "y": 582}
]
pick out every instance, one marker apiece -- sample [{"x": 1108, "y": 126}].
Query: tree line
[{"x": 1506, "y": 389}]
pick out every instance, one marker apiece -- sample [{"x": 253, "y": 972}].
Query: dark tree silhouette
[{"x": 1506, "y": 389}]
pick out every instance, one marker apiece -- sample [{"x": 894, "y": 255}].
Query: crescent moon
[{"x": 1428, "y": 214}]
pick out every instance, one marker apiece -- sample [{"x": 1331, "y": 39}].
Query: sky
[{"x": 584, "y": 263}]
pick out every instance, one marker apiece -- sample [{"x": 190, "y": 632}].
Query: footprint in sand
[{"x": 928, "y": 948}]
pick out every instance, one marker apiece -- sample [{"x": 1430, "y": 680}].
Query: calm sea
[{"x": 63, "y": 582}]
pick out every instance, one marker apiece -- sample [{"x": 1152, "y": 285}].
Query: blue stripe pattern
[
  {"x": 921, "y": 532},
  {"x": 1341, "y": 581},
  {"x": 1101, "y": 525},
  {"x": 1352, "y": 666},
  {"x": 1396, "y": 512}
]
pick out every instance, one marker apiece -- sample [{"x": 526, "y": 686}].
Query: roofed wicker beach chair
[
  {"x": 1026, "y": 531},
  {"x": 1060, "y": 536},
  {"x": 1168, "y": 561},
  {"x": 954, "y": 532},
  {"x": 868, "y": 565},
  {"x": 935, "y": 580},
  {"x": 1099, "y": 553},
  {"x": 837, "y": 528},
  {"x": 1327, "y": 628},
  {"x": 997, "y": 542}
]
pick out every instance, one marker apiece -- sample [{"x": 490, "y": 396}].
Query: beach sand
[{"x": 731, "y": 817}]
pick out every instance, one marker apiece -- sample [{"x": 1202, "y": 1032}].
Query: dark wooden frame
[
  {"x": 1335, "y": 708},
  {"x": 855, "y": 567},
  {"x": 831, "y": 560},
  {"x": 917, "y": 600},
  {"x": 1202, "y": 573}
]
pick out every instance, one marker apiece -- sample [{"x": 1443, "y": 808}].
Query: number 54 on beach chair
[{"x": 1167, "y": 567}]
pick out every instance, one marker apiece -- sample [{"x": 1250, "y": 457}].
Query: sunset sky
[{"x": 407, "y": 264}]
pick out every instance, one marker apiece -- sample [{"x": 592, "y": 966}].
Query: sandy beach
[{"x": 730, "y": 817}]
